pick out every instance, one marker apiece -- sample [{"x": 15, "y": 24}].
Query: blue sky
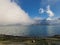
[{"x": 32, "y": 7}]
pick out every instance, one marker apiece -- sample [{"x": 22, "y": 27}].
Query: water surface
[{"x": 37, "y": 30}]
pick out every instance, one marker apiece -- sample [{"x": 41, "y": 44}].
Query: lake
[{"x": 35, "y": 30}]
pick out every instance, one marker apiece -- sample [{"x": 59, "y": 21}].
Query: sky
[
  {"x": 27, "y": 11},
  {"x": 32, "y": 7}
]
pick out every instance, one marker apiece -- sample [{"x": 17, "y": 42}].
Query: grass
[{"x": 7, "y": 39}]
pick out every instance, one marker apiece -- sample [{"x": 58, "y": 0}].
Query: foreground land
[{"x": 9, "y": 39}]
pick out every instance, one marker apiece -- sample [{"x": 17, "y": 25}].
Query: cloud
[
  {"x": 11, "y": 13},
  {"x": 53, "y": 1},
  {"x": 41, "y": 10},
  {"x": 50, "y": 2},
  {"x": 37, "y": 18},
  {"x": 49, "y": 12}
]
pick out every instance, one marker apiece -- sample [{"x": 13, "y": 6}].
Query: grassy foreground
[{"x": 53, "y": 40}]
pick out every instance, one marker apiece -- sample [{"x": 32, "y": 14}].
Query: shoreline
[{"x": 9, "y": 39}]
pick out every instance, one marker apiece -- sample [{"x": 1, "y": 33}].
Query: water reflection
[
  {"x": 14, "y": 30},
  {"x": 53, "y": 30},
  {"x": 24, "y": 30},
  {"x": 44, "y": 30},
  {"x": 38, "y": 31}
]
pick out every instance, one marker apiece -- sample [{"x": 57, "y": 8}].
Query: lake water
[{"x": 37, "y": 30}]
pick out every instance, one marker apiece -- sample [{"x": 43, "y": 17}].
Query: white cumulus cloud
[
  {"x": 49, "y": 11},
  {"x": 11, "y": 13}
]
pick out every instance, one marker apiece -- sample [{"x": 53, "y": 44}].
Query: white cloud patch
[
  {"x": 41, "y": 10},
  {"x": 53, "y": 1},
  {"x": 50, "y": 2},
  {"x": 11, "y": 13},
  {"x": 48, "y": 11},
  {"x": 37, "y": 18}
]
